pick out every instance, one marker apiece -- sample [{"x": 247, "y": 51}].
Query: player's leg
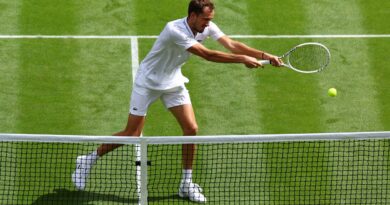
[
  {"x": 184, "y": 114},
  {"x": 186, "y": 118},
  {"x": 179, "y": 104},
  {"x": 134, "y": 128},
  {"x": 141, "y": 98},
  {"x": 84, "y": 163}
]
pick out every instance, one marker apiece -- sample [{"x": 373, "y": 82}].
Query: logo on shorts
[{"x": 135, "y": 109}]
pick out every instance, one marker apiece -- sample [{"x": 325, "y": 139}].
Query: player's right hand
[{"x": 251, "y": 62}]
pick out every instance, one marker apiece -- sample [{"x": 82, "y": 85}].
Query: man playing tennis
[{"x": 159, "y": 76}]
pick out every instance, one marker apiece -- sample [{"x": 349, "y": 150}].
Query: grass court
[{"x": 81, "y": 86}]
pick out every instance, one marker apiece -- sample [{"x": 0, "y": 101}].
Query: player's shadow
[{"x": 63, "y": 196}]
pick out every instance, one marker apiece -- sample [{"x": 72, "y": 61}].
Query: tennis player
[{"x": 160, "y": 76}]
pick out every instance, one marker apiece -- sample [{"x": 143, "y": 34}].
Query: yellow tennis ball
[{"x": 332, "y": 92}]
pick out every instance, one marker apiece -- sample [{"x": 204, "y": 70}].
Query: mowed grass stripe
[
  {"x": 375, "y": 14},
  {"x": 104, "y": 86},
  {"x": 9, "y": 52},
  {"x": 378, "y": 50},
  {"x": 287, "y": 100},
  {"x": 114, "y": 17},
  {"x": 47, "y": 93},
  {"x": 350, "y": 70},
  {"x": 355, "y": 109},
  {"x": 9, "y": 64},
  {"x": 150, "y": 18},
  {"x": 48, "y": 74},
  {"x": 9, "y": 11},
  {"x": 288, "y": 103},
  {"x": 48, "y": 79},
  {"x": 104, "y": 66}
]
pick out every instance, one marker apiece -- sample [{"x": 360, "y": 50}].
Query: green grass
[{"x": 79, "y": 86}]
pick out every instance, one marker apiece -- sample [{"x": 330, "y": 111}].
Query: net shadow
[{"x": 63, "y": 196}]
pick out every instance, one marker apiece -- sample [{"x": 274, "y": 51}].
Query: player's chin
[{"x": 201, "y": 30}]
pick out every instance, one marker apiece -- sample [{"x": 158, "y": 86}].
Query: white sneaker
[
  {"x": 192, "y": 191},
  {"x": 80, "y": 175}
]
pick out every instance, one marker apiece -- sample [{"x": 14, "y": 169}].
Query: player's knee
[
  {"x": 132, "y": 132},
  {"x": 190, "y": 131}
]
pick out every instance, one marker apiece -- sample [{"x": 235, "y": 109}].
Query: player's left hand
[{"x": 275, "y": 60}]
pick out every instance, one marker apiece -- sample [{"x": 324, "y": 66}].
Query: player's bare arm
[
  {"x": 241, "y": 48},
  {"x": 222, "y": 57}
]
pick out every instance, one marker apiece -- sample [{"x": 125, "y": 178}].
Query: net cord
[{"x": 195, "y": 139}]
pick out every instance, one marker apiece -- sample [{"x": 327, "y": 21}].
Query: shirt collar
[{"x": 188, "y": 27}]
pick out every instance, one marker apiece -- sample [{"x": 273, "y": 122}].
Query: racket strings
[{"x": 309, "y": 58}]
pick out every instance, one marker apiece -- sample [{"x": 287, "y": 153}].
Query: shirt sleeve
[
  {"x": 181, "y": 38},
  {"x": 215, "y": 32}
]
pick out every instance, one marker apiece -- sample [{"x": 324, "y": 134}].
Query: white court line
[
  {"x": 134, "y": 56},
  {"x": 153, "y": 36}
]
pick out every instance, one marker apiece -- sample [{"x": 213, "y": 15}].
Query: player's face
[{"x": 203, "y": 19}]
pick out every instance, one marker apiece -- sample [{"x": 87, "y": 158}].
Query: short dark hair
[{"x": 197, "y": 6}]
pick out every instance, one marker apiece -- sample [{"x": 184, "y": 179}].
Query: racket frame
[{"x": 286, "y": 57}]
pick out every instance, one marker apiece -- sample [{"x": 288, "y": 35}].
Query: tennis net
[{"x": 327, "y": 168}]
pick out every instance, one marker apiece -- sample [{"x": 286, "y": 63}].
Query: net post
[{"x": 143, "y": 200}]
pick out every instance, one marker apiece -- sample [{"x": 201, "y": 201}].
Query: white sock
[{"x": 187, "y": 175}]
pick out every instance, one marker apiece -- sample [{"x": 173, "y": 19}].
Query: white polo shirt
[{"x": 161, "y": 68}]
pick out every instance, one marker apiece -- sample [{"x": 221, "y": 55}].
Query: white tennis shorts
[{"x": 142, "y": 98}]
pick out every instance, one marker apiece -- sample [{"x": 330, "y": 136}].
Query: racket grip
[{"x": 265, "y": 62}]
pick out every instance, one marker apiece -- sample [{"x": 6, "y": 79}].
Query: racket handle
[{"x": 265, "y": 62}]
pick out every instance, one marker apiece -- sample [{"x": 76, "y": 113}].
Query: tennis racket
[{"x": 305, "y": 58}]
